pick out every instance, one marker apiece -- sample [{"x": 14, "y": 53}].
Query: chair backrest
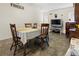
[
  {"x": 35, "y": 25},
  {"x": 44, "y": 29},
  {"x": 14, "y": 32},
  {"x": 28, "y": 25}
]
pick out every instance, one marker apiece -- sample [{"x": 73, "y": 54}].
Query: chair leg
[
  {"x": 25, "y": 50},
  {"x": 42, "y": 44},
  {"x": 47, "y": 41},
  {"x": 15, "y": 50},
  {"x": 11, "y": 46}
]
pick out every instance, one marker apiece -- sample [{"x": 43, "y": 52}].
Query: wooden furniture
[
  {"x": 28, "y": 25},
  {"x": 71, "y": 30},
  {"x": 44, "y": 34},
  {"x": 76, "y": 11},
  {"x": 26, "y": 34},
  {"x": 69, "y": 25},
  {"x": 67, "y": 29},
  {"x": 16, "y": 40},
  {"x": 74, "y": 34}
]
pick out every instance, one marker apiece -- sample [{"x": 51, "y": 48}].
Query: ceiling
[{"x": 49, "y": 6}]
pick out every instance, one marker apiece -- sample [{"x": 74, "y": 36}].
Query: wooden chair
[
  {"x": 28, "y": 25},
  {"x": 44, "y": 34},
  {"x": 16, "y": 40},
  {"x": 35, "y": 25}
]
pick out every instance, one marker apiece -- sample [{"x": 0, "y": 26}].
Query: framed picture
[{"x": 17, "y": 5}]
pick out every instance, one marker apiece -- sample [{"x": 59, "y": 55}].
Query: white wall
[
  {"x": 10, "y": 14},
  {"x": 62, "y": 13},
  {"x": 43, "y": 16},
  {"x": 30, "y": 13}
]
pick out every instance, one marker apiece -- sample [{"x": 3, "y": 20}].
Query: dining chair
[
  {"x": 34, "y": 25},
  {"x": 28, "y": 25},
  {"x": 16, "y": 40},
  {"x": 44, "y": 34}
]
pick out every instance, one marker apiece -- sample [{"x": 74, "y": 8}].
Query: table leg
[{"x": 24, "y": 49}]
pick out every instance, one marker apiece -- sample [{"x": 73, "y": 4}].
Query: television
[{"x": 56, "y": 21}]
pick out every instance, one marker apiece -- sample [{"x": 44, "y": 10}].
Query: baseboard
[{"x": 5, "y": 38}]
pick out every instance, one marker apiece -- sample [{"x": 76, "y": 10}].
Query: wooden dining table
[{"x": 27, "y": 33}]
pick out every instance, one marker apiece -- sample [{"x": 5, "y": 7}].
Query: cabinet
[
  {"x": 72, "y": 30},
  {"x": 69, "y": 25},
  {"x": 76, "y": 10}
]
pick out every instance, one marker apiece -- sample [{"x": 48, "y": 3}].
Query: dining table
[{"x": 27, "y": 33}]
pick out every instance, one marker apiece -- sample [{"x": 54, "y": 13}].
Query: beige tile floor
[{"x": 58, "y": 45}]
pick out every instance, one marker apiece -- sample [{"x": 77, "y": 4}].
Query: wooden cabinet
[
  {"x": 76, "y": 10},
  {"x": 72, "y": 33},
  {"x": 67, "y": 29},
  {"x": 69, "y": 25}
]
